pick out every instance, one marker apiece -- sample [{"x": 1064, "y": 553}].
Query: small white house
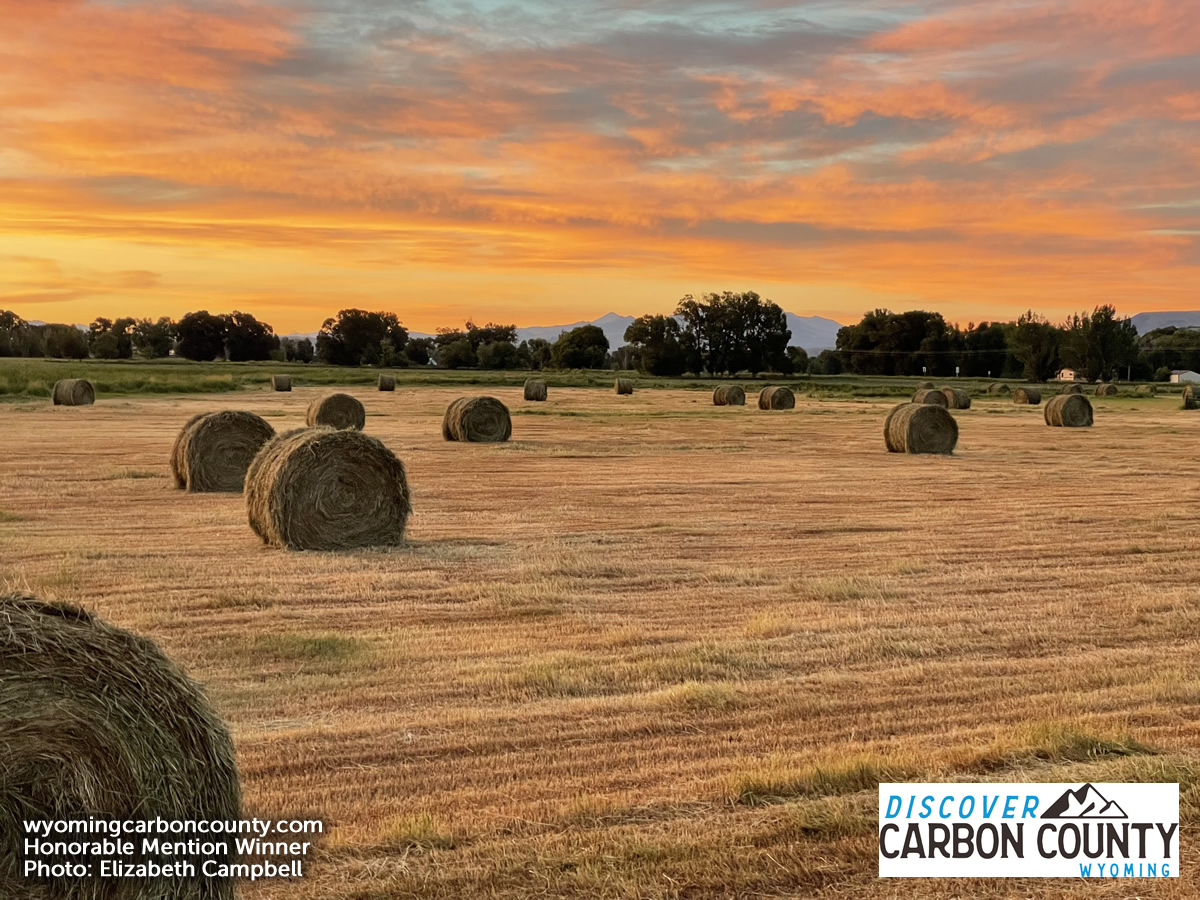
[
  {"x": 1185, "y": 376},
  {"x": 1065, "y": 375}
]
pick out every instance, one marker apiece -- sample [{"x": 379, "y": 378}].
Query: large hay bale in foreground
[
  {"x": 477, "y": 420},
  {"x": 1030, "y": 395},
  {"x": 997, "y": 387},
  {"x": 535, "y": 389},
  {"x": 623, "y": 386},
  {"x": 1106, "y": 390},
  {"x": 281, "y": 382},
  {"x": 336, "y": 411},
  {"x": 729, "y": 395},
  {"x": 931, "y": 396},
  {"x": 956, "y": 398},
  {"x": 327, "y": 489},
  {"x": 1069, "y": 411},
  {"x": 777, "y": 397},
  {"x": 387, "y": 382},
  {"x": 920, "y": 428},
  {"x": 214, "y": 450},
  {"x": 1190, "y": 399},
  {"x": 1072, "y": 387},
  {"x": 96, "y": 722},
  {"x": 73, "y": 392}
]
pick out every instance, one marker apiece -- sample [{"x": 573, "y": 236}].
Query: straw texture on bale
[
  {"x": 97, "y": 722},
  {"x": 1190, "y": 400},
  {"x": 956, "y": 398},
  {"x": 477, "y": 420},
  {"x": 281, "y": 382},
  {"x": 1030, "y": 395},
  {"x": 535, "y": 389},
  {"x": 387, "y": 382},
  {"x": 1106, "y": 390},
  {"x": 1069, "y": 411},
  {"x": 1147, "y": 390},
  {"x": 926, "y": 386},
  {"x": 1072, "y": 387},
  {"x": 214, "y": 450},
  {"x": 997, "y": 388},
  {"x": 73, "y": 392},
  {"x": 327, "y": 489},
  {"x": 920, "y": 428},
  {"x": 729, "y": 395},
  {"x": 337, "y": 411},
  {"x": 776, "y": 398},
  {"x": 623, "y": 386},
  {"x": 931, "y": 396}
]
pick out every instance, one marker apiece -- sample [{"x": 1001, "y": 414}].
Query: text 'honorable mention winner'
[{"x": 247, "y": 849}]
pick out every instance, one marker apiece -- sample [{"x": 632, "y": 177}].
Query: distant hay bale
[
  {"x": 214, "y": 450},
  {"x": 327, "y": 489},
  {"x": 920, "y": 428},
  {"x": 337, "y": 411},
  {"x": 1147, "y": 390},
  {"x": 930, "y": 396},
  {"x": 997, "y": 387},
  {"x": 1190, "y": 398},
  {"x": 96, "y": 722},
  {"x": 1106, "y": 390},
  {"x": 281, "y": 382},
  {"x": 535, "y": 389},
  {"x": 1069, "y": 411},
  {"x": 73, "y": 392},
  {"x": 956, "y": 398},
  {"x": 729, "y": 395},
  {"x": 777, "y": 397},
  {"x": 1072, "y": 387},
  {"x": 477, "y": 420},
  {"x": 926, "y": 386},
  {"x": 1030, "y": 395},
  {"x": 387, "y": 382},
  {"x": 623, "y": 386}
]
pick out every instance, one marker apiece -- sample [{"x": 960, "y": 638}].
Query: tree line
[{"x": 711, "y": 334}]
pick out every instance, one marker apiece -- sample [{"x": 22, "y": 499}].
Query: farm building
[
  {"x": 1185, "y": 376},
  {"x": 1065, "y": 375}
]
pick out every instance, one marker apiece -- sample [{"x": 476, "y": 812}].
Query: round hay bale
[
  {"x": 998, "y": 388},
  {"x": 1147, "y": 390},
  {"x": 327, "y": 489},
  {"x": 1069, "y": 411},
  {"x": 281, "y": 382},
  {"x": 729, "y": 395},
  {"x": 1030, "y": 395},
  {"x": 96, "y": 722},
  {"x": 387, "y": 382},
  {"x": 535, "y": 389},
  {"x": 1072, "y": 387},
  {"x": 337, "y": 411},
  {"x": 1106, "y": 390},
  {"x": 956, "y": 398},
  {"x": 1190, "y": 400},
  {"x": 73, "y": 392},
  {"x": 623, "y": 386},
  {"x": 920, "y": 428},
  {"x": 930, "y": 396},
  {"x": 214, "y": 450},
  {"x": 478, "y": 420},
  {"x": 926, "y": 386},
  {"x": 776, "y": 398}
]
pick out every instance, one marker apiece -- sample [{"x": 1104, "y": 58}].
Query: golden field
[{"x": 653, "y": 648}]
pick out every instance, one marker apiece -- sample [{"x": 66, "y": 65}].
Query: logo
[{"x": 1092, "y": 831}]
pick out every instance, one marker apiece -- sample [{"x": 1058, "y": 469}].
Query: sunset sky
[{"x": 544, "y": 162}]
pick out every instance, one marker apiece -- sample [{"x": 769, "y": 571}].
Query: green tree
[
  {"x": 499, "y": 355},
  {"x": 657, "y": 342},
  {"x": 799, "y": 359},
  {"x": 916, "y": 342},
  {"x": 419, "y": 350},
  {"x": 827, "y": 362},
  {"x": 1167, "y": 349},
  {"x": 1034, "y": 343},
  {"x": 584, "y": 347},
  {"x": 153, "y": 340},
  {"x": 456, "y": 355},
  {"x": 105, "y": 346},
  {"x": 201, "y": 336},
  {"x": 247, "y": 339},
  {"x": 64, "y": 342},
  {"x": 729, "y": 332},
  {"x": 1100, "y": 345},
  {"x": 355, "y": 337},
  {"x": 538, "y": 351}
]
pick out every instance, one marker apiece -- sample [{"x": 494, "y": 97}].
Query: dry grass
[{"x": 651, "y": 647}]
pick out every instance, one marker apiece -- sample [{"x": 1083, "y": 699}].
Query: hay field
[{"x": 652, "y": 647}]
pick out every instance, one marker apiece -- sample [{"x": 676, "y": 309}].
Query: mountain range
[
  {"x": 1148, "y": 321},
  {"x": 813, "y": 333}
]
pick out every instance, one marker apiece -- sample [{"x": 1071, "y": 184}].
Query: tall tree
[
  {"x": 1035, "y": 342},
  {"x": 1100, "y": 345},
  {"x": 357, "y": 337},
  {"x": 153, "y": 340},
  {"x": 247, "y": 339},
  {"x": 729, "y": 332},
  {"x": 201, "y": 336},
  {"x": 585, "y": 347},
  {"x": 656, "y": 341}
]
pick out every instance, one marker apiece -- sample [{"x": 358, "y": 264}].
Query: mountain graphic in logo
[{"x": 1084, "y": 803}]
